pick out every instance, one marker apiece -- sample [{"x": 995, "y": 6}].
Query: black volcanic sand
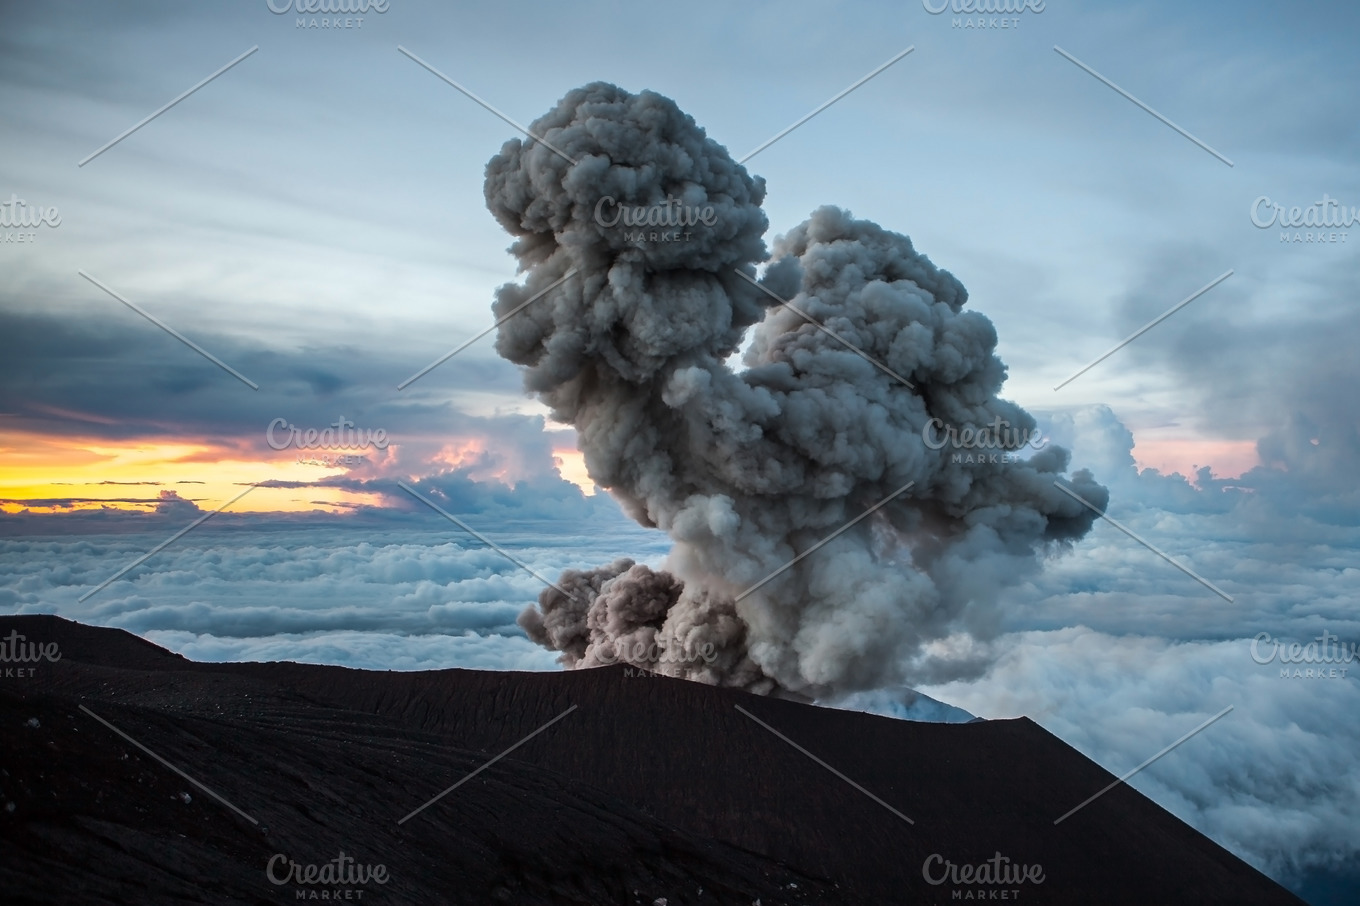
[{"x": 651, "y": 788}]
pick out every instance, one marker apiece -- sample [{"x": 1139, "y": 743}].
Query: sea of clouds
[{"x": 1111, "y": 648}]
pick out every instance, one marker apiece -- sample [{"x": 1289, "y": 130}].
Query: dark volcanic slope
[{"x": 650, "y": 788}]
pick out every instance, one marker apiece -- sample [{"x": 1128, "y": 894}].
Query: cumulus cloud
[
  {"x": 1272, "y": 780},
  {"x": 1119, "y": 653},
  {"x": 364, "y": 650},
  {"x": 308, "y": 592}
]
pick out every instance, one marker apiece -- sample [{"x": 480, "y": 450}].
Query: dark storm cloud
[{"x": 111, "y": 374}]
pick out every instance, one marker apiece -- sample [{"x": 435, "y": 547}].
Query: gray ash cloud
[{"x": 747, "y": 468}]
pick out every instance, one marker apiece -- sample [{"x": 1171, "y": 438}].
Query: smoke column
[{"x": 748, "y": 468}]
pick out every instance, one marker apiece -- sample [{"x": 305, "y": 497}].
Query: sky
[{"x": 313, "y": 220}]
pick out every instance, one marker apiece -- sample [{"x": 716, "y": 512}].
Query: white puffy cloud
[
  {"x": 313, "y": 592},
  {"x": 1274, "y": 780}
]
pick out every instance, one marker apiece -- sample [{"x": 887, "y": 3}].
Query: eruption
[{"x": 642, "y": 236}]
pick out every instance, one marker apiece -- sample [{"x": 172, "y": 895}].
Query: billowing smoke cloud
[{"x": 747, "y": 470}]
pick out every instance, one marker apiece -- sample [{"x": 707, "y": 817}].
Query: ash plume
[{"x": 748, "y": 468}]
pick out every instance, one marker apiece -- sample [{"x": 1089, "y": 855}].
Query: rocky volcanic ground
[{"x": 644, "y": 791}]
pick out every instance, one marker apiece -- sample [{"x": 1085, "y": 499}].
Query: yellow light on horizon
[{"x": 103, "y": 473}]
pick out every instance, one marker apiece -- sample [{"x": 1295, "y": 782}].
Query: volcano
[{"x": 133, "y": 775}]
